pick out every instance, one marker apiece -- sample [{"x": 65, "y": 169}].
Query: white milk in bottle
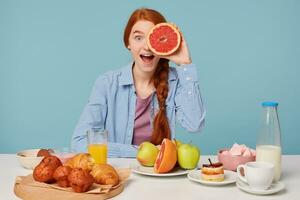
[
  {"x": 270, "y": 153},
  {"x": 268, "y": 145}
]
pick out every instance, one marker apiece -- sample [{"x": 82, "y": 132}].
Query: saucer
[{"x": 275, "y": 187}]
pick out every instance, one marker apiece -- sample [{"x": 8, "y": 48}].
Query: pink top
[{"x": 142, "y": 127}]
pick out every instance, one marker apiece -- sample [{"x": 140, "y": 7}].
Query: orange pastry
[
  {"x": 80, "y": 180},
  {"x": 61, "y": 175},
  {"x": 212, "y": 172},
  {"x": 45, "y": 170}
]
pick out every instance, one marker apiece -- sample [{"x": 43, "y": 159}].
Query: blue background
[{"x": 51, "y": 52}]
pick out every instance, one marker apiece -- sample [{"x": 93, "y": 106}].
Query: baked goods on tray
[{"x": 80, "y": 172}]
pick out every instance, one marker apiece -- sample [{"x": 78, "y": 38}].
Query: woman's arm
[
  {"x": 190, "y": 112},
  {"x": 114, "y": 149},
  {"x": 189, "y": 106},
  {"x": 94, "y": 117}
]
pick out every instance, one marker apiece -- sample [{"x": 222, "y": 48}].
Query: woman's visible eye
[{"x": 138, "y": 38}]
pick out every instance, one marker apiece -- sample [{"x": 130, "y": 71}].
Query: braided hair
[{"x": 161, "y": 127}]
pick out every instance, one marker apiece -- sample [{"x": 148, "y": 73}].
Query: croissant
[
  {"x": 105, "y": 174},
  {"x": 82, "y": 160}
]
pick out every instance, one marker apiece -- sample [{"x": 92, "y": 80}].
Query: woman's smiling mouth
[{"x": 147, "y": 58}]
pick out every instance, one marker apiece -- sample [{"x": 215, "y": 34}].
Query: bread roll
[
  {"x": 45, "y": 152},
  {"x": 80, "y": 180},
  {"x": 61, "y": 175},
  {"x": 45, "y": 170},
  {"x": 52, "y": 161}
]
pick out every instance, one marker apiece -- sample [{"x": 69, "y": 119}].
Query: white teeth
[{"x": 147, "y": 55}]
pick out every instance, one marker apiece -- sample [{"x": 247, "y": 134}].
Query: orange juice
[{"x": 98, "y": 152}]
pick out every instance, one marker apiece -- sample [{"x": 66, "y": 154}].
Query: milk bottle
[{"x": 268, "y": 146}]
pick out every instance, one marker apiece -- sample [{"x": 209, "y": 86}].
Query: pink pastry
[{"x": 247, "y": 152}]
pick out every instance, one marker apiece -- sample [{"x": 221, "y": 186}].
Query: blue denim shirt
[{"x": 111, "y": 106}]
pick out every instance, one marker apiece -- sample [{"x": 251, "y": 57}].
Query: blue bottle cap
[{"x": 269, "y": 103}]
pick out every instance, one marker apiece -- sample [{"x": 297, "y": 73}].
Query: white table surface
[{"x": 180, "y": 187}]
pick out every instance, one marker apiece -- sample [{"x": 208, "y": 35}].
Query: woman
[{"x": 141, "y": 101}]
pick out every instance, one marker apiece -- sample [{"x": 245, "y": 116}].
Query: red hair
[{"x": 161, "y": 127}]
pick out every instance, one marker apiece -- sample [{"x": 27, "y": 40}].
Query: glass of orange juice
[{"x": 97, "y": 145}]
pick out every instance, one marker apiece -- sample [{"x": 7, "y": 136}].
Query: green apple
[
  {"x": 188, "y": 156},
  {"x": 178, "y": 143},
  {"x": 147, "y": 153}
]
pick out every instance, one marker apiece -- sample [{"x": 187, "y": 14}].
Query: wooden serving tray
[
  {"x": 36, "y": 193},
  {"x": 28, "y": 189}
]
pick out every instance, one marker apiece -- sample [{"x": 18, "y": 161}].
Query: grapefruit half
[
  {"x": 164, "y": 39},
  {"x": 167, "y": 157}
]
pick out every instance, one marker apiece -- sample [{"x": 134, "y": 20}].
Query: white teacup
[{"x": 258, "y": 175}]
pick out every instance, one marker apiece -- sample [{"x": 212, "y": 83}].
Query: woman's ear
[{"x": 128, "y": 47}]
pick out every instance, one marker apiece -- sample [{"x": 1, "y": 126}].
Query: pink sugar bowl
[{"x": 237, "y": 155}]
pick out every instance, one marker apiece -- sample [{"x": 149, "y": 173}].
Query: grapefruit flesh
[
  {"x": 163, "y": 39},
  {"x": 167, "y": 157}
]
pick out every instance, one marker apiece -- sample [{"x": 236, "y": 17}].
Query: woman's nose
[{"x": 145, "y": 45}]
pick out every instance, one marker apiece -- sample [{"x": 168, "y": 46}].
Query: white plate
[
  {"x": 229, "y": 177},
  {"x": 149, "y": 171},
  {"x": 275, "y": 187}
]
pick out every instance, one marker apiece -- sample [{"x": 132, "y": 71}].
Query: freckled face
[{"x": 144, "y": 59}]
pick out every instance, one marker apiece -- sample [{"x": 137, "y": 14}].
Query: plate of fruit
[
  {"x": 150, "y": 171},
  {"x": 173, "y": 158},
  {"x": 213, "y": 174}
]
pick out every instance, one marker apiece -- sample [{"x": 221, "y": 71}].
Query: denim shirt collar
[{"x": 126, "y": 77}]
